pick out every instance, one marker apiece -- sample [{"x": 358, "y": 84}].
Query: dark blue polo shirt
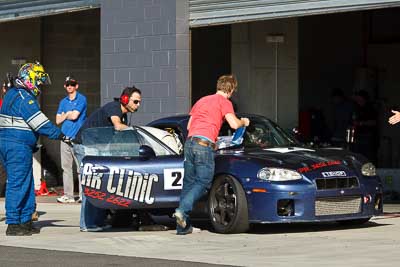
[{"x": 70, "y": 128}]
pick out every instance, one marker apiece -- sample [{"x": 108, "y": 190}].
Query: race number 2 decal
[{"x": 173, "y": 179}]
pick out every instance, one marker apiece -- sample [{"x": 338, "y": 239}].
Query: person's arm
[
  {"x": 37, "y": 120},
  {"x": 234, "y": 122},
  {"x": 69, "y": 115},
  {"x": 118, "y": 125},
  {"x": 60, "y": 118},
  {"x": 394, "y": 118}
]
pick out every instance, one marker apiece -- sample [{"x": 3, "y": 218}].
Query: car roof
[
  {"x": 184, "y": 117},
  {"x": 171, "y": 119}
]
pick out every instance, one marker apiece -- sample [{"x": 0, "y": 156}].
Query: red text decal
[
  {"x": 119, "y": 201},
  {"x": 318, "y": 165}
]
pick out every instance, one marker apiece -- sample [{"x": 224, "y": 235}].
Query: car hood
[{"x": 304, "y": 160}]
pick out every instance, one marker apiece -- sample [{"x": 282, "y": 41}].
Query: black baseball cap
[{"x": 69, "y": 80}]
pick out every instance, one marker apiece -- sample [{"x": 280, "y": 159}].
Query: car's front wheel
[{"x": 228, "y": 206}]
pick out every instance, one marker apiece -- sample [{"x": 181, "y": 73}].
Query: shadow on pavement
[
  {"x": 51, "y": 223},
  {"x": 307, "y": 227}
]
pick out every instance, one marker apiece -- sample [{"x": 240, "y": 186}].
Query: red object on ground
[{"x": 43, "y": 191}]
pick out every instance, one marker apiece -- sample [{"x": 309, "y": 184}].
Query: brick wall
[{"x": 146, "y": 43}]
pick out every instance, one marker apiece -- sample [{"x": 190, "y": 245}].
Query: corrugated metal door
[
  {"x": 213, "y": 12},
  {"x": 20, "y": 9}
]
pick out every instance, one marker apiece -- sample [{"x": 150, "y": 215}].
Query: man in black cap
[{"x": 71, "y": 114}]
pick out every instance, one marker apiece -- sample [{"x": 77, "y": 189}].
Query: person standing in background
[
  {"x": 71, "y": 114},
  {"x": 343, "y": 111},
  {"x": 365, "y": 122}
]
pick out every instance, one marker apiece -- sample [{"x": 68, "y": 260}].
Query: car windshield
[
  {"x": 261, "y": 133},
  {"x": 106, "y": 141}
]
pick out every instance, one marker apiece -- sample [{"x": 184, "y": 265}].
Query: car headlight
[
  {"x": 278, "y": 175},
  {"x": 368, "y": 169}
]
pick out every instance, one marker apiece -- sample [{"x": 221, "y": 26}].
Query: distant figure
[
  {"x": 343, "y": 111},
  {"x": 366, "y": 126}
]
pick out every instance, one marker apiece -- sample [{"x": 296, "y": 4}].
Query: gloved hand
[{"x": 66, "y": 139}]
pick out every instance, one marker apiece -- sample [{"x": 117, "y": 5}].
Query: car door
[{"x": 131, "y": 170}]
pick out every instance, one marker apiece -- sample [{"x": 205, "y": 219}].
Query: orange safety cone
[{"x": 43, "y": 191}]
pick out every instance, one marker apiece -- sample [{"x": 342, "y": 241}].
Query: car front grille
[
  {"x": 337, "y": 205},
  {"x": 336, "y": 183}
]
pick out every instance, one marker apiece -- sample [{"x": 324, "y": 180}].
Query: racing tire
[
  {"x": 227, "y": 205},
  {"x": 354, "y": 221},
  {"x": 2, "y": 180}
]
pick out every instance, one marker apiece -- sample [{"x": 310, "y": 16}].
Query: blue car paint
[
  {"x": 244, "y": 166},
  {"x": 262, "y": 206}
]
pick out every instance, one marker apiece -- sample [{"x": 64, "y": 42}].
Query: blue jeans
[
  {"x": 91, "y": 216},
  {"x": 20, "y": 194},
  {"x": 199, "y": 168}
]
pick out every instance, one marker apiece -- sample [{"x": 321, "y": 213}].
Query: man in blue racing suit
[{"x": 21, "y": 123}]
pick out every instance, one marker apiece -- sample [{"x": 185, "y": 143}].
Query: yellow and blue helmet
[{"x": 33, "y": 77}]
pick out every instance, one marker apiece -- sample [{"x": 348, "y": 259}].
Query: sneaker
[
  {"x": 185, "y": 231},
  {"x": 92, "y": 229},
  {"x": 79, "y": 200},
  {"x": 97, "y": 228},
  {"x": 106, "y": 227},
  {"x": 65, "y": 199},
  {"x": 180, "y": 219}
]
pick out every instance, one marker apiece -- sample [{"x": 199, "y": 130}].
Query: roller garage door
[
  {"x": 19, "y": 9},
  {"x": 214, "y": 12}
]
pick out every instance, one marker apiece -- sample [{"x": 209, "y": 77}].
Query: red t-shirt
[{"x": 208, "y": 114}]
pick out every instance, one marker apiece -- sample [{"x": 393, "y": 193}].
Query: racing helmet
[{"x": 33, "y": 77}]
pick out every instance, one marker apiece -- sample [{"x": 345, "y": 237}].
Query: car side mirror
[{"x": 146, "y": 152}]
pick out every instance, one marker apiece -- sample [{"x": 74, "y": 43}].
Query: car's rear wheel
[
  {"x": 2, "y": 180},
  {"x": 355, "y": 221},
  {"x": 228, "y": 206}
]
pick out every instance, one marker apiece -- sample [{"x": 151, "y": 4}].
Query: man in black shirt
[{"x": 111, "y": 114}]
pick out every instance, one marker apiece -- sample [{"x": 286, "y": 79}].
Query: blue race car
[{"x": 268, "y": 178}]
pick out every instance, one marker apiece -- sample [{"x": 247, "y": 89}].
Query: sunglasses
[
  {"x": 70, "y": 84},
  {"x": 136, "y": 101}
]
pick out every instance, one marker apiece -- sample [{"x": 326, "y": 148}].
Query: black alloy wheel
[{"x": 228, "y": 206}]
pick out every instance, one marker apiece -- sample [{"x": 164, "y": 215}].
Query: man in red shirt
[{"x": 206, "y": 118}]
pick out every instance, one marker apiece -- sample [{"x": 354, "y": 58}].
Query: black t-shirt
[{"x": 101, "y": 117}]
